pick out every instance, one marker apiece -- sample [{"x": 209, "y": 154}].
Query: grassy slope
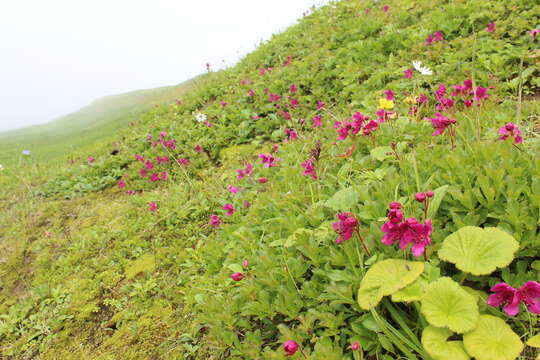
[
  {"x": 97, "y": 122},
  {"x": 97, "y": 276}
]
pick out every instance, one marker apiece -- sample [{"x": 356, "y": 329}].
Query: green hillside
[
  {"x": 326, "y": 198},
  {"x": 97, "y": 122}
]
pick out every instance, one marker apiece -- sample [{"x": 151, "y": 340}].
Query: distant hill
[{"x": 93, "y": 123}]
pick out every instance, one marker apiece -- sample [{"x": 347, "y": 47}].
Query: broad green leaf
[
  {"x": 436, "y": 201},
  {"x": 343, "y": 200},
  {"x": 479, "y": 251},
  {"x": 412, "y": 292},
  {"x": 435, "y": 342},
  {"x": 446, "y": 304},
  {"x": 385, "y": 278},
  {"x": 534, "y": 341},
  {"x": 381, "y": 153},
  {"x": 236, "y": 268},
  {"x": 492, "y": 339}
]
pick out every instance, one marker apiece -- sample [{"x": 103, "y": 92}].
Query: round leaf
[
  {"x": 446, "y": 304},
  {"x": 434, "y": 341},
  {"x": 492, "y": 339},
  {"x": 534, "y": 341},
  {"x": 479, "y": 251},
  {"x": 412, "y": 292},
  {"x": 385, "y": 278}
]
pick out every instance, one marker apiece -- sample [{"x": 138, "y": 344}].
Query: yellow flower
[
  {"x": 386, "y": 104},
  {"x": 410, "y": 100}
]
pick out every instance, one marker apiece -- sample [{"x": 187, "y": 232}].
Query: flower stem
[{"x": 363, "y": 242}]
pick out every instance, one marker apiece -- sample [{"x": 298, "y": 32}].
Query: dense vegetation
[{"x": 323, "y": 199}]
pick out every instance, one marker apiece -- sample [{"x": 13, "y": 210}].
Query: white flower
[
  {"x": 200, "y": 117},
  {"x": 26, "y": 152},
  {"x": 1, "y": 167},
  {"x": 424, "y": 70}
]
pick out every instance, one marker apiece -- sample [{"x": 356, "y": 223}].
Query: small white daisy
[
  {"x": 200, "y": 117},
  {"x": 424, "y": 70},
  {"x": 25, "y": 152}
]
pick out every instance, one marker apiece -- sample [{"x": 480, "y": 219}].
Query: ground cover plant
[{"x": 363, "y": 186}]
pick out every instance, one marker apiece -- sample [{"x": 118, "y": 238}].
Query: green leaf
[
  {"x": 479, "y": 251},
  {"x": 385, "y": 278},
  {"x": 446, "y": 304},
  {"x": 434, "y": 204},
  {"x": 435, "y": 341},
  {"x": 235, "y": 268},
  {"x": 343, "y": 200},
  {"x": 492, "y": 339},
  {"x": 412, "y": 292},
  {"x": 534, "y": 341},
  {"x": 381, "y": 153}
]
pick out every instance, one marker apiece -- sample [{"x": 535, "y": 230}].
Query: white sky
[{"x": 56, "y": 56}]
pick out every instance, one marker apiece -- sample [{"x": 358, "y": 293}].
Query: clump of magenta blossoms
[
  {"x": 291, "y": 134},
  {"x": 290, "y": 347},
  {"x": 436, "y": 36},
  {"x": 469, "y": 94},
  {"x": 229, "y": 208},
  {"x": 215, "y": 221},
  {"x": 309, "y": 168},
  {"x": 268, "y": 160},
  {"x": 247, "y": 171},
  {"x": 440, "y": 123},
  {"x": 359, "y": 123},
  {"x": 406, "y": 231},
  {"x": 511, "y": 130},
  {"x": 510, "y": 298},
  {"x": 345, "y": 227}
]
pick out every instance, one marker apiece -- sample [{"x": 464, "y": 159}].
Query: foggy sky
[{"x": 56, "y": 56}]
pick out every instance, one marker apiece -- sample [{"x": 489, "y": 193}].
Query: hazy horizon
[{"x": 63, "y": 55}]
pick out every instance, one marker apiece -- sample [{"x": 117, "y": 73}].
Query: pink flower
[
  {"x": 139, "y": 158},
  {"x": 317, "y": 121},
  {"x": 511, "y": 130},
  {"x": 389, "y": 94},
  {"x": 263, "y": 180},
  {"x": 370, "y": 127},
  {"x": 162, "y": 134},
  {"x": 290, "y": 347},
  {"x": 355, "y": 346},
  {"x": 275, "y": 148},
  {"x": 121, "y": 184},
  {"x": 215, "y": 221},
  {"x": 345, "y": 226},
  {"x": 142, "y": 172},
  {"x": 392, "y": 232},
  {"x": 535, "y": 32},
  {"x": 507, "y": 296},
  {"x": 251, "y": 93},
  {"x": 152, "y": 206},
  {"x": 429, "y": 40},
  {"x": 294, "y": 103},
  {"x": 208, "y": 124},
  {"x": 288, "y": 61},
  {"x": 422, "y": 99},
  {"x": 291, "y": 134},
  {"x": 222, "y": 103},
  {"x": 229, "y": 209},
  {"x": 198, "y": 148},
  {"x": 407, "y": 74},
  {"x": 163, "y": 176},
  {"x": 148, "y": 165},
  {"x": 440, "y": 123},
  {"x": 438, "y": 36},
  {"x": 395, "y": 205},
  {"x": 530, "y": 295},
  {"x": 247, "y": 204},
  {"x": 320, "y": 105},
  {"x": 183, "y": 161},
  {"x": 268, "y": 160},
  {"x": 491, "y": 27},
  {"x": 90, "y": 159},
  {"x": 245, "y": 264},
  {"x": 237, "y": 276},
  {"x": 232, "y": 189},
  {"x": 273, "y": 97},
  {"x": 481, "y": 93},
  {"x": 309, "y": 168},
  {"x": 154, "y": 177},
  {"x": 420, "y": 197},
  {"x": 131, "y": 192},
  {"x": 386, "y": 8},
  {"x": 293, "y": 88},
  {"x": 430, "y": 194},
  {"x": 160, "y": 159},
  {"x": 418, "y": 234}
]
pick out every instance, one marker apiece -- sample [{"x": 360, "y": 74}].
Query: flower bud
[
  {"x": 290, "y": 347},
  {"x": 429, "y": 194},
  {"x": 394, "y": 205},
  {"x": 245, "y": 264},
  {"x": 355, "y": 346},
  {"x": 237, "y": 276},
  {"x": 420, "y": 197}
]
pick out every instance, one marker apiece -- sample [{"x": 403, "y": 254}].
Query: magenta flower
[
  {"x": 535, "y": 32},
  {"x": 288, "y": 61},
  {"x": 251, "y": 93},
  {"x": 392, "y": 232},
  {"x": 163, "y": 176},
  {"x": 229, "y": 208},
  {"x": 345, "y": 226},
  {"x": 275, "y": 148},
  {"x": 290, "y": 347},
  {"x": 142, "y": 172},
  {"x": 121, "y": 184},
  {"x": 223, "y": 103},
  {"x": 320, "y": 105},
  {"x": 355, "y": 346},
  {"x": 407, "y": 74},
  {"x": 268, "y": 160},
  {"x": 394, "y": 205},
  {"x": 131, "y": 192},
  {"x": 418, "y": 234},
  {"x": 309, "y": 168},
  {"x": 530, "y": 295},
  {"x": 198, "y": 148},
  {"x": 247, "y": 204},
  {"x": 507, "y": 296},
  {"x": 420, "y": 197},
  {"x": 511, "y": 130},
  {"x": 317, "y": 121},
  {"x": 291, "y": 134},
  {"x": 162, "y": 134},
  {"x": 481, "y": 93},
  {"x": 161, "y": 160},
  {"x": 440, "y": 123},
  {"x": 422, "y": 99},
  {"x": 438, "y": 36},
  {"x": 386, "y": 8},
  {"x": 294, "y": 103},
  {"x": 90, "y": 159},
  {"x": 154, "y": 177},
  {"x": 263, "y": 180},
  {"x": 370, "y": 127},
  {"x": 183, "y": 161},
  {"x": 245, "y": 264},
  {"x": 491, "y": 27},
  {"x": 273, "y": 97},
  {"x": 152, "y": 206},
  {"x": 148, "y": 165},
  {"x": 293, "y": 88},
  {"x": 139, "y": 158},
  {"x": 429, "y": 40},
  {"x": 389, "y": 94},
  {"x": 237, "y": 276},
  {"x": 215, "y": 221},
  {"x": 233, "y": 189}
]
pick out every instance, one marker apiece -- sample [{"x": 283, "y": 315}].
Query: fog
[{"x": 56, "y": 56}]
